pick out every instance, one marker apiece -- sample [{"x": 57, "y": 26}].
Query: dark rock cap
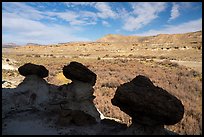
[
  {"x": 148, "y": 104},
  {"x": 77, "y": 71},
  {"x": 33, "y": 69}
]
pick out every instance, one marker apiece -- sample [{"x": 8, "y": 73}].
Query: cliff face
[
  {"x": 191, "y": 38},
  {"x": 37, "y": 107}
]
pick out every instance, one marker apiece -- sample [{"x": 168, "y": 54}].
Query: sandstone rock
[
  {"x": 148, "y": 104},
  {"x": 113, "y": 123},
  {"x": 79, "y": 96},
  {"x": 77, "y": 71},
  {"x": 33, "y": 69},
  {"x": 137, "y": 129},
  {"x": 76, "y": 117},
  {"x": 33, "y": 92}
]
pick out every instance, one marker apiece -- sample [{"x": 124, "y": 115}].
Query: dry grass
[
  {"x": 60, "y": 79},
  {"x": 179, "y": 81}
]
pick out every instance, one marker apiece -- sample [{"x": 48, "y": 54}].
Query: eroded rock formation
[
  {"x": 33, "y": 92},
  {"x": 149, "y": 106},
  {"x": 72, "y": 104},
  {"x": 73, "y": 98},
  {"x": 79, "y": 93}
]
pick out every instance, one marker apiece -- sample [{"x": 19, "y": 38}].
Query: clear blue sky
[{"x": 56, "y": 22}]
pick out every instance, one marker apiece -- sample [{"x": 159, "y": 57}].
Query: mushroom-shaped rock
[
  {"x": 77, "y": 71},
  {"x": 33, "y": 69},
  {"x": 148, "y": 104},
  {"x": 32, "y": 92}
]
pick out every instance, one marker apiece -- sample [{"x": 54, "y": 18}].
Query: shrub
[
  {"x": 75, "y": 56},
  {"x": 111, "y": 84},
  {"x": 37, "y": 56},
  {"x": 199, "y": 47},
  {"x": 162, "y": 57},
  {"x": 168, "y": 63},
  {"x": 194, "y": 73},
  {"x": 106, "y": 55}
]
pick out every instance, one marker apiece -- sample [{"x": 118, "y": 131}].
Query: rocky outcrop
[
  {"x": 148, "y": 105},
  {"x": 71, "y": 105},
  {"x": 27, "y": 95},
  {"x": 79, "y": 93},
  {"x": 35, "y": 92},
  {"x": 75, "y": 117},
  {"x": 33, "y": 69}
]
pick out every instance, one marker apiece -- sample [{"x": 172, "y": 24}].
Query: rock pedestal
[
  {"x": 148, "y": 105},
  {"x": 79, "y": 93},
  {"x": 79, "y": 96},
  {"x": 33, "y": 92}
]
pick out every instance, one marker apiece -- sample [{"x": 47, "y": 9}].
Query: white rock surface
[
  {"x": 32, "y": 92},
  {"x": 8, "y": 67},
  {"x": 8, "y": 64},
  {"x": 80, "y": 97}
]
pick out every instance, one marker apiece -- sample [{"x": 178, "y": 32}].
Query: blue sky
[{"x": 57, "y": 22}]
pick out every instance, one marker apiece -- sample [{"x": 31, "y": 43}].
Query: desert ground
[{"x": 177, "y": 69}]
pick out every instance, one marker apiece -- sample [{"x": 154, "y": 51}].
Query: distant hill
[
  {"x": 33, "y": 44},
  {"x": 171, "y": 39},
  {"x": 9, "y": 45},
  {"x": 186, "y": 38},
  {"x": 119, "y": 38}
]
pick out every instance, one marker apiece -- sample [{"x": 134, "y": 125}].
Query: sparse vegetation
[
  {"x": 185, "y": 87},
  {"x": 37, "y": 56},
  {"x": 168, "y": 63},
  {"x": 114, "y": 68},
  {"x": 162, "y": 57}
]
